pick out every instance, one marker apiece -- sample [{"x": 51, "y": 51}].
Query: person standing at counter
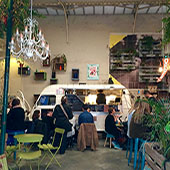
[
  {"x": 101, "y": 98},
  {"x": 85, "y": 117}
]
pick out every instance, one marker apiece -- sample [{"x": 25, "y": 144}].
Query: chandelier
[{"x": 30, "y": 43}]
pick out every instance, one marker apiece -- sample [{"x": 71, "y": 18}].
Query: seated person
[
  {"x": 85, "y": 117},
  {"x": 39, "y": 126},
  {"x": 15, "y": 119},
  {"x": 111, "y": 128},
  {"x": 49, "y": 120},
  {"x": 138, "y": 125},
  {"x": 101, "y": 98}
]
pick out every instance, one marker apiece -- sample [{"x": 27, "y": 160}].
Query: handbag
[{"x": 69, "y": 125}]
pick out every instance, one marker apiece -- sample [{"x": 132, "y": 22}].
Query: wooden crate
[{"x": 153, "y": 158}]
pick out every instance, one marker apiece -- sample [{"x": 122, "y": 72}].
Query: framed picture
[{"x": 92, "y": 71}]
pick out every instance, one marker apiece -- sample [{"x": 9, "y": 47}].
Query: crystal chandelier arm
[{"x": 29, "y": 43}]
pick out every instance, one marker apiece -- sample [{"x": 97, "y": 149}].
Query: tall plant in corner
[
  {"x": 157, "y": 123},
  {"x": 20, "y": 12}
]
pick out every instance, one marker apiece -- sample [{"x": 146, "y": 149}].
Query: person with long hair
[
  {"x": 130, "y": 114},
  {"x": 138, "y": 124}
]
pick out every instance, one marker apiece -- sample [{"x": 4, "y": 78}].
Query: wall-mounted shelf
[
  {"x": 53, "y": 81},
  {"x": 46, "y": 62},
  {"x": 75, "y": 74},
  {"x": 24, "y": 70},
  {"x": 60, "y": 66},
  {"x": 40, "y": 76}
]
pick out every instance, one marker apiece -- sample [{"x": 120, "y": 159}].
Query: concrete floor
[{"x": 102, "y": 159}]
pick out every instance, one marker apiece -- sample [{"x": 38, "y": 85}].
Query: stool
[
  {"x": 142, "y": 154},
  {"x": 129, "y": 149},
  {"x": 110, "y": 136}
]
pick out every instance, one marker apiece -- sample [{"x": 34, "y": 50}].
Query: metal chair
[
  {"x": 48, "y": 147},
  {"x": 24, "y": 152}
]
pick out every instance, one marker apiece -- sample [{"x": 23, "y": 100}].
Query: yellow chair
[
  {"x": 25, "y": 152},
  {"x": 49, "y": 147}
]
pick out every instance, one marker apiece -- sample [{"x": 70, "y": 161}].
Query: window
[
  {"x": 74, "y": 102},
  {"x": 47, "y": 100}
]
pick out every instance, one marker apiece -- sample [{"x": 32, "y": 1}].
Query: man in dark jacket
[
  {"x": 101, "y": 98},
  {"x": 152, "y": 100},
  {"x": 62, "y": 121},
  {"x": 15, "y": 120},
  {"x": 85, "y": 117}
]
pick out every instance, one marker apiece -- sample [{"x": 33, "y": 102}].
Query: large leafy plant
[
  {"x": 166, "y": 25},
  {"x": 157, "y": 122},
  {"x": 21, "y": 11}
]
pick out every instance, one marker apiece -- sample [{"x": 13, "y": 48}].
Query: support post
[{"x": 6, "y": 77}]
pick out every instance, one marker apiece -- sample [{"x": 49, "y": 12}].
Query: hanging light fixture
[{"x": 30, "y": 43}]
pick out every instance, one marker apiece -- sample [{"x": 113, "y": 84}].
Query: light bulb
[{"x": 160, "y": 69}]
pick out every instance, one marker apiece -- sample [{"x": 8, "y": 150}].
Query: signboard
[{"x": 92, "y": 71}]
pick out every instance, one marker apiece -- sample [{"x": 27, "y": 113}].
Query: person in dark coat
[
  {"x": 61, "y": 121},
  {"x": 49, "y": 120},
  {"x": 101, "y": 98},
  {"x": 152, "y": 100},
  {"x": 111, "y": 128},
  {"x": 16, "y": 117},
  {"x": 15, "y": 120},
  {"x": 40, "y": 127}
]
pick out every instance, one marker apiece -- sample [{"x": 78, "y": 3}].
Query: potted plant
[{"x": 159, "y": 151}]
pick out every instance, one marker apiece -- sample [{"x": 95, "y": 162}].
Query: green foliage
[
  {"x": 158, "y": 121},
  {"x": 147, "y": 43},
  {"x": 166, "y": 26},
  {"x": 129, "y": 68},
  {"x": 20, "y": 12}
]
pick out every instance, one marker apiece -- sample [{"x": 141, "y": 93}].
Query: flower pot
[{"x": 154, "y": 159}]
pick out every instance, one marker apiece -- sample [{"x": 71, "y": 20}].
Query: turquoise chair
[
  {"x": 110, "y": 136},
  {"x": 141, "y": 158},
  {"x": 129, "y": 149},
  {"x": 12, "y": 141}
]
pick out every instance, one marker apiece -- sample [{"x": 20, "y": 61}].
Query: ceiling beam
[{"x": 99, "y": 3}]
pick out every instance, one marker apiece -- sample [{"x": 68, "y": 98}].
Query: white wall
[{"x": 88, "y": 44}]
